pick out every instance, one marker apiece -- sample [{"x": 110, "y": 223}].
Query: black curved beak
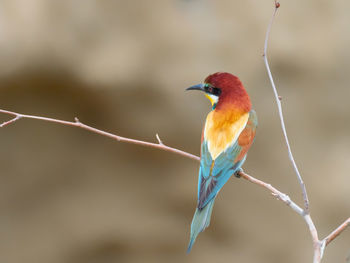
[{"x": 197, "y": 87}]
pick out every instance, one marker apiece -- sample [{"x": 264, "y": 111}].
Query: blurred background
[{"x": 70, "y": 196}]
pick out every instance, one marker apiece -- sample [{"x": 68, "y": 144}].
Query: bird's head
[{"x": 224, "y": 91}]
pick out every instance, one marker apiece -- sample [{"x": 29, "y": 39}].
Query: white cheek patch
[{"x": 214, "y": 98}]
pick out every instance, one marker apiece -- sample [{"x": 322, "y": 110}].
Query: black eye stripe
[{"x": 212, "y": 90}]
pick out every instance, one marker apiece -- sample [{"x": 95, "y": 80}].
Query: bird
[{"x": 227, "y": 135}]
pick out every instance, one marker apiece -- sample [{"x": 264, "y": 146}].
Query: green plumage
[{"x": 200, "y": 221}]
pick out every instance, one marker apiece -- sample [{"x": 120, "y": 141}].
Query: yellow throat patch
[{"x": 213, "y": 99}]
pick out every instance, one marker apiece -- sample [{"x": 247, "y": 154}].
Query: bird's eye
[{"x": 212, "y": 90}]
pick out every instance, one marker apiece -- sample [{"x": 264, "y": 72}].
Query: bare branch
[
  {"x": 337, "y": 231},
  {"x": 317, "y": 244},
  {"x": 279, "y": 195},
  {"x": 79, "y": 124},
  {"x": 279, "y": 105}
]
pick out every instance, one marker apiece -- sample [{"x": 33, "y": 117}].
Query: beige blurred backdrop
[{"x": 70, "y": 196}]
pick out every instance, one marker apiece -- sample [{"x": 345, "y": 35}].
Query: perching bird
[{"x": 227, "y": 135}]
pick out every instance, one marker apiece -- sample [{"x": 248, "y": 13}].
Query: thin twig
[
  {"x": 10, "y": 121},
  {"x": 278, "y": 194},
  {"x": 337, "y": 231},
  {"x": 317, "y": 244},
  {"x": 158, "y": 139},
  {"x": 279, "y": 105},
  {"x": 79, "y": 124}
]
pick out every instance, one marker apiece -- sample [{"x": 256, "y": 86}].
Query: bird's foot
[{"x": 237, "y": 173}]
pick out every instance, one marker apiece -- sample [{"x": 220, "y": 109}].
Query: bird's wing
[{"x": 213, "y": 174}]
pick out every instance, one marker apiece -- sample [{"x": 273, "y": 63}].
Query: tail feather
[{"x": 200, "y": 221}]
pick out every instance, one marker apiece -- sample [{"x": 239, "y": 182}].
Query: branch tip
[{"x": 159, "y": 140}]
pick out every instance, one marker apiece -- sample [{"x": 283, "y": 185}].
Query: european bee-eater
[{"x": 227, "y": 135}]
